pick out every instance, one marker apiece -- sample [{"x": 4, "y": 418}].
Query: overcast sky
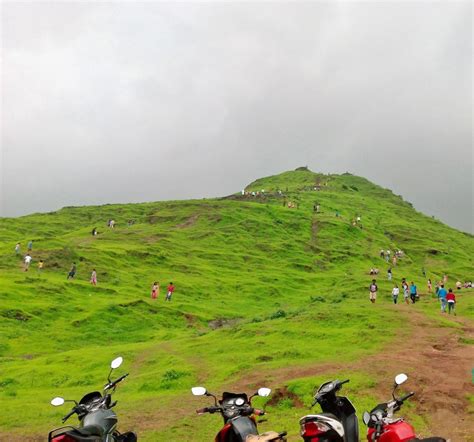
[{"x": 127, "y": 102}]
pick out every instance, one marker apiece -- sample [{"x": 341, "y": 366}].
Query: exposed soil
[
  {"x": 439, "y": 369},
  {"x": 189, "y": 222}
]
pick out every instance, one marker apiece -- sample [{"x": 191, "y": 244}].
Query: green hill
[{"x": 260, "y": 288}]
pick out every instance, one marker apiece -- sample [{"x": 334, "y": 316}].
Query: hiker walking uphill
[
  {"x": 40, "y": 266},
  {"x": 373, "y": 291},
  {"x": 442, "y": 293},
  {"x": 170, "y": 292},
  {"x": 413, "y": 292},
  {"x": 155, "y": 290},
  {"x": 17, "y": 248},
  {"x": 451, "y": 298},
  {"x": 27, "y": 261},
  {"x": 30, "y": 246},
  {"x": 72, "y": 272},
  {"x": 94, "y": 277}
]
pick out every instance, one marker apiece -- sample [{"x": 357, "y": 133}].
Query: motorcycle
[
  {"x": 383, "y": 427},
  {"x": 97, "y": 420},
  {"x": 337, "y": 423},
  {"x": 239, "y": 416}
]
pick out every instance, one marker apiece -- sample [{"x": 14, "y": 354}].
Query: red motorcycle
[
  {"x": 239, "y": 416},
  {"x": 383, "y": 427}
]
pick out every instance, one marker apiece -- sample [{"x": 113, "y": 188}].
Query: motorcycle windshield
[
  {"x": 90, "y": 397},
  {"x": 228, "y": 397}
]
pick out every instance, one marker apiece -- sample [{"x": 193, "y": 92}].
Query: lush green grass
[{"x": 288, "y": 286}]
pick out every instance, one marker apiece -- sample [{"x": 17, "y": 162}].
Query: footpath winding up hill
[{"x": 265, "y": 294}]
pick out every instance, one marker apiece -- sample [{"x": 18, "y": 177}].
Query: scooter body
[{"x": 337, "y": 423}]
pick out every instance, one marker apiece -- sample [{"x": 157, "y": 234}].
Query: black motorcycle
[
  {"x": 236, "y": 409},
  {"x": 337, "y": 423},
  {"x": 97, "y": 420}
]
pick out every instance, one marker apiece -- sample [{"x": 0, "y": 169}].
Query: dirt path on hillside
[
  {"x": 439, "y": 368},
  {"x": 438, "y": 364}
]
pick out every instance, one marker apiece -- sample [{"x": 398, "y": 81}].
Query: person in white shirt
[
  {"x": 27, "y": 260},
  {"x": 395, "y": 293}
]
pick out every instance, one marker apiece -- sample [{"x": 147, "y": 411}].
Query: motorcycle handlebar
[
  {"x": 404, "y": 398},
  {"x": 258, "y": 412},
  {"x": 65, "y": 418},
  {"x": 344, "y": 382},
  {"x": 114, "y": 383},
  {"x": 208, "y": 410}
]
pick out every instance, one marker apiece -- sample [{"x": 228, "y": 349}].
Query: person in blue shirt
[
  {"x": 413, "y": 293},
  {"x": 442, "y": 297}
]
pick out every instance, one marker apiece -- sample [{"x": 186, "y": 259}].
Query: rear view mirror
[
  {"x": 198, "y": 391},
  {"x": 57, "y": 401},
  {"x": 116, "y": 363},
  {"x": 366, "y": 418},
  {"x": 264, "y": 392},
  {"x": 400, "y": 378}
]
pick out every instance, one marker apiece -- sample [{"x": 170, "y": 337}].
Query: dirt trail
[{"x": 439, "y": 369}]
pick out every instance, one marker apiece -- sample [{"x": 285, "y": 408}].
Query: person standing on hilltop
[
  {"x": 442, "y": 293},
  {"x": 155, "y": 290},
  {"x": 395, "y": 293},
  {"x": 94, "y": 277},
  {"x": 72, "y": 272},
  {"x": 170, "y": 292},
  {"x": 373, "y": 291},
  {"x": 413, "y": 292},
  {"x": 27, "y": 261}
]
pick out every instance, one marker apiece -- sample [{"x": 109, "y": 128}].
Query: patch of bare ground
[
  {"x": 189, "y": 222},
  {"x": 439, "y": 369}
]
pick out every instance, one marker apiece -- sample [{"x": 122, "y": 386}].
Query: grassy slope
[{"x": 291, "y": 284}]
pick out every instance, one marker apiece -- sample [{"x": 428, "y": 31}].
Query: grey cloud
[{"x": 117, "y": 102}]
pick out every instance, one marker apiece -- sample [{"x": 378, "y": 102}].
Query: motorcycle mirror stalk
[
  {"x": 58, "y": 401},
  {"x": 116, "y": 363},
  {"x": 399, "y": 380},
  {"x": 262, "y": 392},
  {"x": 202, "y": 391}
]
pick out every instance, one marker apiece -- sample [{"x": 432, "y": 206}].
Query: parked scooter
[
  {"x": 383, "y": 427},
  {"x": 97, "y": 420},
  {"x": 338, "y": 422},
  {"x": 239, "y": 416}
]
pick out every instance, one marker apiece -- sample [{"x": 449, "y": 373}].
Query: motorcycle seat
[
  {"x": 89, "y": 430},
  {"x": 268, "y": 436}
]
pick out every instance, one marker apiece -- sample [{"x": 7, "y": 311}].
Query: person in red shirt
[
  {"x": 451, "y": 298},
  {"x": 170, "y": 292}
]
